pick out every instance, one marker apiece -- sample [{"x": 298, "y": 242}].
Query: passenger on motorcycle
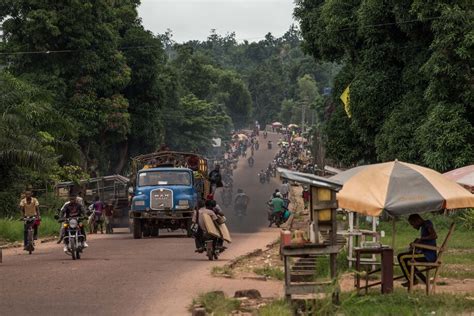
[
  {"x": 215, "y": 207},
  {"x": 29, "y": 207},
  {"x": 205, "y": 207},
  {"x": 277, "y": 205},
  {"x": 75, "y": 210},
  {"x": 241, "y": 202}
]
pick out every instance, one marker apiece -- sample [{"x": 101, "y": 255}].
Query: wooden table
[{"x": 386, "y": 269}]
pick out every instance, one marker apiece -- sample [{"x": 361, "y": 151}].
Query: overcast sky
[{"x": 193, "y": 19}]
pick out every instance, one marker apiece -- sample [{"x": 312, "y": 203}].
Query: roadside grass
[
  {"x": 270, "y": 272},
  {"x": 12, "y": 229},
  {"x": 216, "y": 303},
  {"x": 398, "y": 303},
  {"x": 222, "y": 271},
  {"x": 276, "y": 308}
]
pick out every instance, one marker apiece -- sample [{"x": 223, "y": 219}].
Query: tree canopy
[{"x": 409, "y": 67}]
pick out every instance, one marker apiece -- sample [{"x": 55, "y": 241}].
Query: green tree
[{"x": 408, "y": 63}]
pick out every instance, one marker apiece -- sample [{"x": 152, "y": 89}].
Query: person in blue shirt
[{"x": 428, "y": 236}]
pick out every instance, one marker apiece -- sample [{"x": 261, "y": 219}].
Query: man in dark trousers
[{"x": 428, "y": 236}]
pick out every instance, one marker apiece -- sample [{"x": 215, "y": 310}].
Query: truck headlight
[{"x": 139, "y": 203}]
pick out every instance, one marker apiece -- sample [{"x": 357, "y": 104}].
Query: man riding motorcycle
[
  {"x": 262, "y": 176},
  {"x": 250, "y": 161},
  {"x": 241, "y": 202},
  {"x": 277, "y": 206},
  {"x": 75, "y": 210}
]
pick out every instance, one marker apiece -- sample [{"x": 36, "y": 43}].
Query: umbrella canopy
[
  {"x": 399, "y": 188},
  {"x": 299, "y": 139},
  {"x": 292, "y": 126},
  {"x": 464, "y": 176},
  {"x": 277, "y": 124},
  {"x": 241, "y": 137}
]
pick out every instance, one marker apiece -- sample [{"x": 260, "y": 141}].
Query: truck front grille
[{"x": 161, "y": 199}]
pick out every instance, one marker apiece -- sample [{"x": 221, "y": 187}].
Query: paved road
[{"x": 122, "y": 276}]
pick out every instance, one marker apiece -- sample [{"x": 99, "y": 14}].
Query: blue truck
[{"x": 167, "y": 187}]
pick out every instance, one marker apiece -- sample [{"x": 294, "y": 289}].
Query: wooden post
[{"x": 394, "y": 231}]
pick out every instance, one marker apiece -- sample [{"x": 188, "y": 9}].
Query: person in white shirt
[{"x": 284, "y": 189}]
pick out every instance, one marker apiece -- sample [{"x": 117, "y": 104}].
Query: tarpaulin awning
[{"x": 399, "y": 188}]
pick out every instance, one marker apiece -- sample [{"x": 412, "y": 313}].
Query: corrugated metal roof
[{"x": 309, "y": 179}]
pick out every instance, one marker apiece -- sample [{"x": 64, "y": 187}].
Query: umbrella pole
[{"x": 394, "y": 231}]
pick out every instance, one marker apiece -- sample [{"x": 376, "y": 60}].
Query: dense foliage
[
  {"x": 84, "y": 87},
  {"x": 409, "y": 65}
]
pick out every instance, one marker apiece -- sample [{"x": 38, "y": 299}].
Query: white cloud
[{"x": 193, "y": 19}]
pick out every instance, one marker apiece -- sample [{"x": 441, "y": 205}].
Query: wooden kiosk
[{"x": 300, "y": 259}]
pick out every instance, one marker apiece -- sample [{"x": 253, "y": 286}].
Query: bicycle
[{"x": 29, "y": 223}]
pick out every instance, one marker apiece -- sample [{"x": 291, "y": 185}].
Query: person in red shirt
[{"x": 109, "y": 214}]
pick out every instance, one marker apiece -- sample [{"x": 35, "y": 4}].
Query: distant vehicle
[
  {"x": 167, "y": 187},
  {"x": 110, "y": 189}
]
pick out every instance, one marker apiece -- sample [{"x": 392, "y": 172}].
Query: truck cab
[{"x": 166, "y": 194}]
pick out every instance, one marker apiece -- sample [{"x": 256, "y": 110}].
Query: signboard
[{"x": 216, "y": 142}]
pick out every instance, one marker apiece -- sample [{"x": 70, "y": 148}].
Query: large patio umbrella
[
  {"x": 241, "y": 137},
  {"x": 464, "y": 176},
  {"x": 277, "y": 124},
  {"x": 292, "y": 126},
  {"x": 399, "y": 188},
  {"x": 299, "y": 139}
]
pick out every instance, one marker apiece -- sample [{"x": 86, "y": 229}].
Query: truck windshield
[{"x": 151, "y": 178}]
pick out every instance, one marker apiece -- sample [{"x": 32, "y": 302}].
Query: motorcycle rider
[
  {"x": 241, "y": 202},
  {"x": 262, "y": 176},
  {"x": 250, "y": 161},
  {"x": 72, "y": 209}
]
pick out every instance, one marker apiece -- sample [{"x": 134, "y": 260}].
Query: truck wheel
[
  {"x": 137, "y": 228},
  {"x": 155, "y": 231}
]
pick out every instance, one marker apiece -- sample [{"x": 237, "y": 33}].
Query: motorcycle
[
  {"x": 73, "y": 237},
  {"x": 267, "y": 175},
  {"x": 214, "y": 247},
  {"x": 262, "y": 178},
  {"x": 269, "y": 145},
  {"x": 227, "y": 196},
  {"x": 278, "y": 218}
]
